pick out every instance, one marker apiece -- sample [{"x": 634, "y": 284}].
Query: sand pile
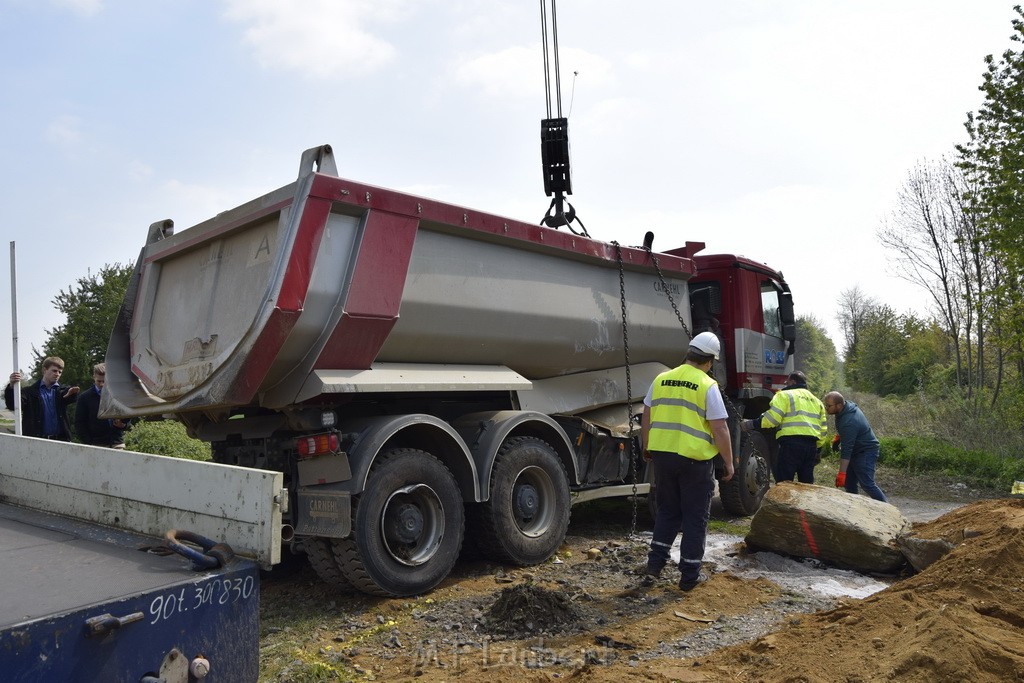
[{"x": 961, "y": 619}]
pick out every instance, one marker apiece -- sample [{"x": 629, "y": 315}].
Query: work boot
[
  {"x": 652, "y": 569},
  {"x": 687, "y": 586},
  {"x": 648, "y": 573}
]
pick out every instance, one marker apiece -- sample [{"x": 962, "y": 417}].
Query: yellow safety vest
[
  {"x": 679, "y": 422},
  {"x": 796, "y": 412}
]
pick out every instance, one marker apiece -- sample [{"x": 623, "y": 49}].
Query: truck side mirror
[
  {"x": 707, "y": 298},
  {"x": 789, "y": 332},
  {"x": 786, "y": 311}
]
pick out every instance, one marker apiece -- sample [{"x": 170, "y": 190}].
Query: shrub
[
  {"x": 924, "y": 454},
  {"x": 165, "y": 437}
]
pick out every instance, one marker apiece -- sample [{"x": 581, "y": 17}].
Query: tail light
[{"x": 317, "y": 444}]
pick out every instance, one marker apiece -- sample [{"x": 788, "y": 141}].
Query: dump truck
[{"x": 424, "y": 374}]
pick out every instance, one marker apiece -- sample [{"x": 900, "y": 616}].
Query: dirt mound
[
  {"x": 527, "y": 609},
  {"x": 961, "y": 619}
]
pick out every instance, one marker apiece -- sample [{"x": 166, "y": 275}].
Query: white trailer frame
[{"x": 147, "y": 494}]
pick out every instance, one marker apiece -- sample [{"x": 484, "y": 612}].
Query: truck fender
[
  {"x": 426, "y": 432},
  {"x": 485, "y": 432}
]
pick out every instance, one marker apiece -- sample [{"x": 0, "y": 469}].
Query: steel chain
[
  {"x": 625, "y": 347},
  {"x": 668, "y": 292},
  {"x": 629, "y": 383},
  {"x": 731, "y": 409}
]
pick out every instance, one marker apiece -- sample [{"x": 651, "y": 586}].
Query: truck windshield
[{"x": 770, "y": 309}]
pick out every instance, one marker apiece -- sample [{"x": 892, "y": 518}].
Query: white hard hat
[{"x": 707, "y": 342}]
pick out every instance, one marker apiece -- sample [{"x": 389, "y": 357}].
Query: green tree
[
  {"x": 925, "y": 351},
  {"x": 816, "y": 356},
  {"x": 853, "y": 309},
  {"x": 895, "y": 354},
  {"x": 932, "y": 237},
  {"x": 993, "y": 161},
  {"x": 879, "y": 339},
  {"x": 90, "y": 307}
]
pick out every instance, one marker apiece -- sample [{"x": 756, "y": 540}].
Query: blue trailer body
[{"x": 81, "y": 602}]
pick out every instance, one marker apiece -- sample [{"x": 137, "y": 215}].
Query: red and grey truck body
[{"x": 423, "y": 373}]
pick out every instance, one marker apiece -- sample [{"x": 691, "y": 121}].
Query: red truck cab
[{"x": 750, "y": 307}]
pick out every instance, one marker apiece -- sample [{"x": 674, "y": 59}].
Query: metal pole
[{"x": 16, "y": 387}]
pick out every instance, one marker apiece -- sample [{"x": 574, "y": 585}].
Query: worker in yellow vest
[
  {"x": 802, "y": 430},
  {"x": 683, "y": 429}
]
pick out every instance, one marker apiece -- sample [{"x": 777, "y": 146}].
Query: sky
[{"x": 782, "y": 130}]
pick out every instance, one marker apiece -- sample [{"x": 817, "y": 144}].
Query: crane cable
[
  {"x": 555, "y": 132},
  {"x": 547, "y": 60}
]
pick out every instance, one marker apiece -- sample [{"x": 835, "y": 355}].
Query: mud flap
[
  {"x": 323, "y": 513},
  {"x": 602, "y": 457}
]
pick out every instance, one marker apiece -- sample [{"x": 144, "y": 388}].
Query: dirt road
[{"x": 583, "y": 616}]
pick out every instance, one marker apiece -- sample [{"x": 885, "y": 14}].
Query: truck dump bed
[{"x": 329, "y": 274}]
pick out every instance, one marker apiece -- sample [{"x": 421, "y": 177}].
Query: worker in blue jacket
[{"x": 858, "y": 444}]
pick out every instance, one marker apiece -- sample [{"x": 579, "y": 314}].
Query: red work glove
[
  {"x": 835, "y": 443},
  {"x": 841, "y": 480}
]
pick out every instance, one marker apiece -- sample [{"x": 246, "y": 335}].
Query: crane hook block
[{"x": 554, "y": 155}]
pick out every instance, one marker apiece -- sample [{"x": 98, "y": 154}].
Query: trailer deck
[{"x": 81, "y": 602}]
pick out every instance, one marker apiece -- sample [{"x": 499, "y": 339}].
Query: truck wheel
[
  {"x": 526, "y": 518},
  {"x": 743, "y": 493},
  {"x": 407, "y": 526},
  {"x": 320, "y": 554}
]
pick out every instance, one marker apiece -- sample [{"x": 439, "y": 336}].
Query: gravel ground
[{"x": 307, "y": 629}]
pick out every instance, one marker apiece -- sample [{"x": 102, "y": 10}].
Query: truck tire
[
  {"x": 320, "y": 554},
  {"x": 407, "y": 526},
  {"x": 525, "y": 520},
  {"x": 742, "y": 494}
]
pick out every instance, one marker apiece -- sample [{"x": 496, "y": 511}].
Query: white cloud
[
  {"x": 188, "y": 204},
  {"x": 321, "y": 38},
  {"x": 618, "y": 116},
  {"x": 516, "y": 72},
  {"x": 140, "y": 171},
  {"x": 425, "y": 190},
  {"x": 817, "y": 235},
  {"x": 64, "y": 131},
  {"x": 779, "y": 130},
  {"x": 83, "y": 7}
]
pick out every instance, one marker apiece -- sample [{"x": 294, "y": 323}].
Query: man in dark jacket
[
  {"x": 91, "y": 428},
  {"x": 858, "y": 444},
  {"x": 44, "y": 405}
]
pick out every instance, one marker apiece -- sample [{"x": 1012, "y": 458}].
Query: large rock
[
  {"x": 828, "y": 524},
  {"x": 923, "y": 552}
]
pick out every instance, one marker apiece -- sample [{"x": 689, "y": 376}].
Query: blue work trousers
[
  {"x": 797, "y": 455},
  {"x": 685, "y": 488},
  {"x": 861, "y": 470}
]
